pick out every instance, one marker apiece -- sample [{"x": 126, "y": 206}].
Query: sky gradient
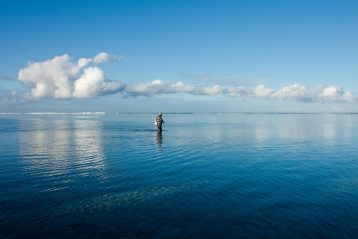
[{"x": 179, "y": 56}]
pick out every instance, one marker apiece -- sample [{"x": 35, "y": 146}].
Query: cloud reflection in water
[{"x": 55, "y": 147}]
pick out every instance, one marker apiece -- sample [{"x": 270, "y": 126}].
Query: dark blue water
[{"x": 204, "y": 176}]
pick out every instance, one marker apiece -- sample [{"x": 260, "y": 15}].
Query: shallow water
[{"x": 204, "y": 176}]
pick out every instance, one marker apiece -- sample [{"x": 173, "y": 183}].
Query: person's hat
[{"x": 160, "y": 114}]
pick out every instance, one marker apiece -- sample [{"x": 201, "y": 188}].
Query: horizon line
[{"x": 113, "y": 112}]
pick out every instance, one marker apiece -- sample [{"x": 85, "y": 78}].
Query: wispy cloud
[{"x": 63, "y": 78}]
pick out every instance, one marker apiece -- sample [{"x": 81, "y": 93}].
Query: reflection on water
[
  {"x": 329, "y": 129},
  {"x": 261, "y": 133},
  {"x": 300, "y": 127},
  {"x": 246, "y": 176},
  {"x": 56, "y": 146},
  {"x": 159, "y": 138},
  {"x": 88, "y": 143}
]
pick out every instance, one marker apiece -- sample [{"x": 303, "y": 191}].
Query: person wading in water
[{"x": 159, "y": 121}]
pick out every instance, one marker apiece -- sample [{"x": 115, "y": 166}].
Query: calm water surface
[{"x": 204, "y": 176}]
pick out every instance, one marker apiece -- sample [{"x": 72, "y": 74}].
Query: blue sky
[{"x": 229, "y": 44}]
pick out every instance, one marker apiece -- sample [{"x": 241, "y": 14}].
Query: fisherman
[{"x": 159, "y": 120}]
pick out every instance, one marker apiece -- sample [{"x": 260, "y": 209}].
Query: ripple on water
[{"x": 253, "y": 176}]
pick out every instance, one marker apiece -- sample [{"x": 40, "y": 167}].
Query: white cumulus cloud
[
  {"x": 63, "y": 78},
  {"x": 318, "y": 93},
  {"x": 293, "y": 92},
  {"x": 157, "y": 87},
  {"x": 262, "y": 91}
]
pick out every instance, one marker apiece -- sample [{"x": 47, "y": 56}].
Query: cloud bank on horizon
[
  {"x": 295, "y": 92},
  {"x": 63, "y": 78}
]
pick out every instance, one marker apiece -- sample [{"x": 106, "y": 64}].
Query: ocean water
[{"x": 205, "y": 176}]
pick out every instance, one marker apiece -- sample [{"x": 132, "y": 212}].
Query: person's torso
[{"x": 159, "y": 120}]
